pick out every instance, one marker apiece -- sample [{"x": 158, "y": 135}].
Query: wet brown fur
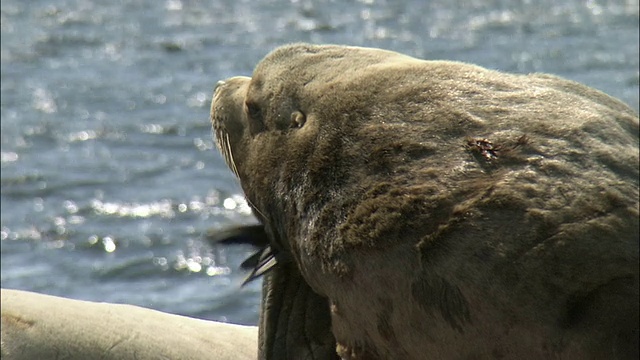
[{"x": 423, "y": 249}]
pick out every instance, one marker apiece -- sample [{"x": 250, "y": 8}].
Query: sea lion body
[{"x": 441, "y": 209}]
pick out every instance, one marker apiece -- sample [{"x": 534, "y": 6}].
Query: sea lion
[
  {"x": 436, "y": 209},
  {"x": 42, "y": 327}
]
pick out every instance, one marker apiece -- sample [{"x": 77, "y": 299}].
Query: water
[{"x": 110, "y": 180}]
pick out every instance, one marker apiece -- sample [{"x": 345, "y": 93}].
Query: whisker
[
  {"x": 224, "y": 146},
  {"x": 232, "y": 162},
  {"x": 256, "y": 209}
]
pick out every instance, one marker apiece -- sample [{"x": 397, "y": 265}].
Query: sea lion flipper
[
  {"x": 245, "y": 234},
  {"x": 260, "y": 263}
]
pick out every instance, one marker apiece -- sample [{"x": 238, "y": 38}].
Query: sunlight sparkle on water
[
  {"x": 162, "y": 208},
  {"x": 109, "y": 244},
  {"x": 218, "y": 270},
  {"x": 237, "y": 203},
  {"x": 229, "y": 204},
  {"x": 8, "y": 157}
]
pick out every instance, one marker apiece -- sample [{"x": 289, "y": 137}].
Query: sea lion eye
[
  {"x": 298, "y": 119},
  {"x": 253, "y": 111}
]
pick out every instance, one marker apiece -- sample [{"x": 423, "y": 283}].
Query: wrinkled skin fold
[
  {"x": 294, "y": 321},
  {"x": 435, "y": 209}
]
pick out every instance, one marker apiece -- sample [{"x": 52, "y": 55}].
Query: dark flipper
[
  {"x": 246, "y": 234},
  {"x": 295, "y": 322},
  {"x": 258, "y": 263}
]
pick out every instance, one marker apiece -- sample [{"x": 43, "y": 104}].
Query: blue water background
[{"x": 110, "y": 180}]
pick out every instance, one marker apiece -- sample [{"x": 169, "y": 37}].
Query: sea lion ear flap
[{"x": 298, "y": 119}]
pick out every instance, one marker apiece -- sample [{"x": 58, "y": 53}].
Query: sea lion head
[
  {"x": 279, "y": 112},
  {"x": 288, "y": 132},
  {"x": 434, "y": 206}
]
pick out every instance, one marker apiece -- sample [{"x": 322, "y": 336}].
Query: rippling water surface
[{"x": 110, "y": 181}]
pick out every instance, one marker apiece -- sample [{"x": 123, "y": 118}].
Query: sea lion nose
[{"x": 219, "y": 83}]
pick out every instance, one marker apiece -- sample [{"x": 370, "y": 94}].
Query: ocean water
[{"x": 110, "y": 179}]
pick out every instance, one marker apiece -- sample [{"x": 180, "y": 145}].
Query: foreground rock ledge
[{"x": 36, "y": 326}]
